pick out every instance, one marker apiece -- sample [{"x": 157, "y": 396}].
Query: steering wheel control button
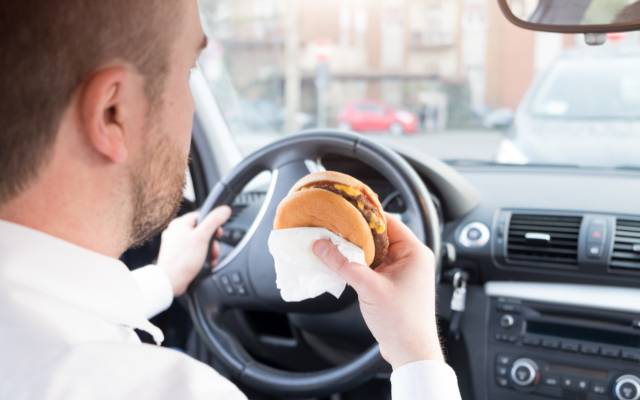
[
  {"x": 627, "y": 387},
  {"x": 233, "y": 284},
  {"x": 524, "y": 372},
  {"x": 228, "y": 289},
  {"x": 236, "y": 277},
  {"x": 474, "y": 235},
  {"x": 507, "y": 321}
]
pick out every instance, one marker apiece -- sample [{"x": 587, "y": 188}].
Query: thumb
[
  {"x": 362, "y": 278},
  {"x": 216, "y": 218}
]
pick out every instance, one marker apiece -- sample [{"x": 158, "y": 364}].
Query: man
[{"x": 95, "y": 112}]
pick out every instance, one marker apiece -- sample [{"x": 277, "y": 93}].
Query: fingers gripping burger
[{"x": 341, "y": 204}]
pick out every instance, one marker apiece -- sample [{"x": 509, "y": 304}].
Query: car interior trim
[{"x": 601, "y": 297}]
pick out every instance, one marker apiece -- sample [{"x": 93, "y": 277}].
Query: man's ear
[{"x": 103, "y": 112}]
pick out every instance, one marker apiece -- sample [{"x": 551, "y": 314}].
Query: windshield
[
  {"x": 574, "y": 90},
  {"x": 451, "y": 79}
]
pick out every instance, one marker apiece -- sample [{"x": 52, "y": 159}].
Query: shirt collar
[{"x": 84, "y": 279}]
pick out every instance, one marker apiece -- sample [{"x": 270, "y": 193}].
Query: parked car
[
  {"x": 375, "y": 116},
  {"x": 584, "y": 110}
]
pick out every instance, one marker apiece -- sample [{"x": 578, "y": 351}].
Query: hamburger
[{"x": 341, "y": 204}]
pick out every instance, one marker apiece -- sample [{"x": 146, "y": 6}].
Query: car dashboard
[{"x": 551, "y": 258}]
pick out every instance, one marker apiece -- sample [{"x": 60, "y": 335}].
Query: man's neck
[{"x": 83, "y": 222}]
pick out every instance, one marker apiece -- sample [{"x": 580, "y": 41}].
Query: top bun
[{"x": 342, "y": 179}]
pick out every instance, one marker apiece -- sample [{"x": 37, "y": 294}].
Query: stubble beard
[{"x": 157, "y": 186}]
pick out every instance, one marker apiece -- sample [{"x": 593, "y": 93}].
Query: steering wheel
[{"x": 245, "y": 278}]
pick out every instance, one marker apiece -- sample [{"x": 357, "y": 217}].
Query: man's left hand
[{"x": 185, "y": 245}]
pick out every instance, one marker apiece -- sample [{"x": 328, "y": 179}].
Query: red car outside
[{"x": 375, "y": 116}]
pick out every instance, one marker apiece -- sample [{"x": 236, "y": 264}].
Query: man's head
[{"x": 97, "y": 92}]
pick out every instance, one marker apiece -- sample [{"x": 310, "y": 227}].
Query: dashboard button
[
  {"x": 531, "y": 341},
  {"x": 599, "y": 387},
  {"x": 551, "y": 381},
  {"x": 550, "y": 343},
  {"x": 595, "y": 251},
  {"x": 582, "y": 385},
  {"x": 502, "y": 382},
  {"x": 588, "y": 348},
  {"x": 630, "y": 355},
  {"x": 503, "y": 359},
  {"x": 474, "y": 235},
  {"x": 610, "y": 352},
  {"x": 502, "y": 337},
  {"x": 501, "y": 370},
  {"x": 570, "y": 347},
  {"x": 568, "y": 383},
  {"x": 508, "y": 308}
]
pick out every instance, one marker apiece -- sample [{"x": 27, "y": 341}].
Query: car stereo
[{"x": 540, "y": 350}]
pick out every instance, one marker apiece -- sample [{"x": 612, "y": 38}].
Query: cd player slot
[
  {"x": 590, "y": 318},
  {"x": 581, "y": 333}
]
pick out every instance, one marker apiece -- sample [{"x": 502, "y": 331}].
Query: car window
[
  {"x": 573, "y": 91},
  {"x": 453, "y": 80}
]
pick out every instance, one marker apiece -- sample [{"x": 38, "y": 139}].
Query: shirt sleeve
[
  {"x": 424, "y": 380},
  {"x": 156, "y": 289}
]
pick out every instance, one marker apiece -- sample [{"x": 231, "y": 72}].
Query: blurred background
[{"x": 451, "y": 77}]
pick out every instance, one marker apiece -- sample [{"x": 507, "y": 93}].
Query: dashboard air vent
[
  {"x": 548, "y": 239},
  {"x": 626, "y": 248}
]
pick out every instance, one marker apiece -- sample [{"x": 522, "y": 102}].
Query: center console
[{"x": 542, "y": 346}]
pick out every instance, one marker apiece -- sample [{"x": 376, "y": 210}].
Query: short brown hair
[{"x": 48, "y": 48}]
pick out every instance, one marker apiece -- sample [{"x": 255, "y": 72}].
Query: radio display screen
[
  {"x": 581, "y": 333},
  {"x": 569, "y": 370}
]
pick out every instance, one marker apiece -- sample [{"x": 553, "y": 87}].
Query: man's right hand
[{"x": 397, "y": 300}]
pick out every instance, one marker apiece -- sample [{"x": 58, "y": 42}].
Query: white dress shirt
[{"x": 67, "y": 320}]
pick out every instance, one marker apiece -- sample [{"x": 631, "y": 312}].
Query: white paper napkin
[{"x": 300, "y": 275}]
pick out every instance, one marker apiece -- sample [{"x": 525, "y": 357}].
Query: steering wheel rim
[{"x": 289, "y": 159}]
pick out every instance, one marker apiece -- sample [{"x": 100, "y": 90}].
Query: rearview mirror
[{"x": 576, "y": 16}]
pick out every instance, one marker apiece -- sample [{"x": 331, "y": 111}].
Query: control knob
[
  {"x": 627, "y": 387},
  {"x": 524, "y": 372},
  {"x": 507, "y": 321}
]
